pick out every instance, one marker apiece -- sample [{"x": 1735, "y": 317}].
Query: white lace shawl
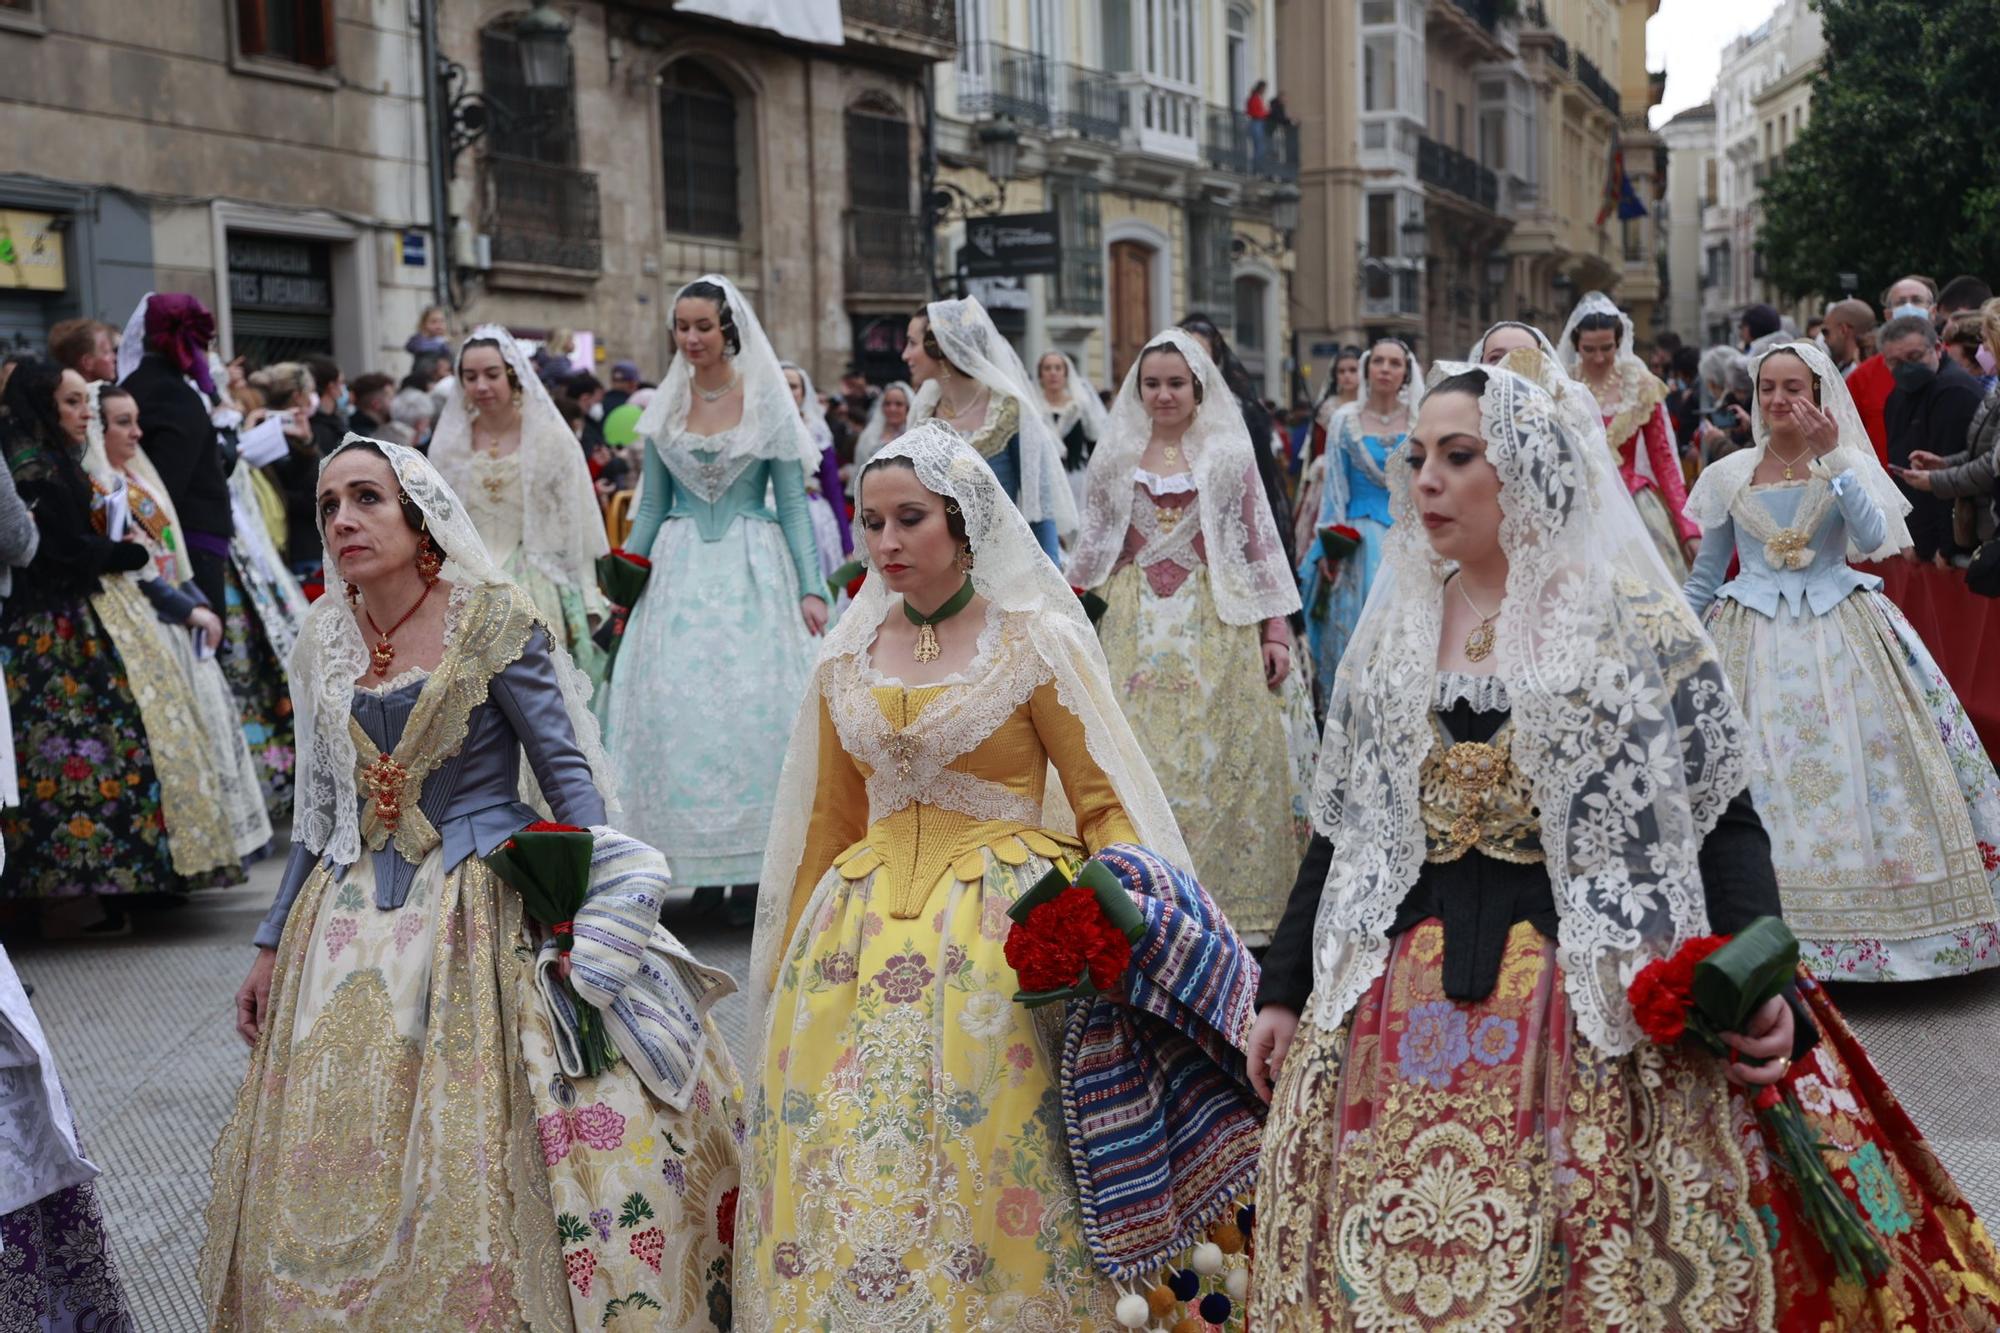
[
  {"x": 771, "y": 426},
  {"x": 330, "y": 656},
  {"x": 1623, "y": 720},
  {"x": 562, "y": 529},
  {"x": 1723, "y": 483},
  {"x": 1344, "y": 431},
  {"x": 966, "y": 335},
  {"x": 1084, "y": 405},
  {"x": 1042, "y": 636},
  {"x": 1248, "y": 573}
]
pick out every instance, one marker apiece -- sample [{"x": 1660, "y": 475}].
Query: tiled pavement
[{"x": 142, "y": 1029}]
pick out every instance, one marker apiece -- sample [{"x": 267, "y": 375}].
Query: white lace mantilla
[
  {"x": 710, "y": 470},
  {"x": 1166, "y": 538},
  {"x": 909, "y": 766}
]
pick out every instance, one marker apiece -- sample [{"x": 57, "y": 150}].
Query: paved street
[{"x": 142, "y": 1029}]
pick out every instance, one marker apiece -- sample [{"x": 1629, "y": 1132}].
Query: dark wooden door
[{"x": 1131, "y": 303}]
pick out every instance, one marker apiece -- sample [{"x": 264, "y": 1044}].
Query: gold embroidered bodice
[
  {"x": 1473, "y": 798},
  {"x": 919, "y": 782}
]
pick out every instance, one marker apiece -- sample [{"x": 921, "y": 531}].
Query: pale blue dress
[
  {"x": 715, "y": 658},
  {"x": 1883, "y": 809},
  {"x": 1353, "y": 494}
]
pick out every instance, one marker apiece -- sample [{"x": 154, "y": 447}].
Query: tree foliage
[{"x": 1898, "y": 168}]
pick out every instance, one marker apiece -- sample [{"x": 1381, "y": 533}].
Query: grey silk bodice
[{"x": 473, "y": 796}]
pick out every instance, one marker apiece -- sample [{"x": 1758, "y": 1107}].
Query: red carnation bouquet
[
  {"x": 1713, "y": 984},
  {"x": 848, "y": 579},
  {"x": 1071, "y": 940},
  {"x": 1337, "y": 541},
  {"x": 549, "y": 866},
  {"x": 621, "y": 577}
]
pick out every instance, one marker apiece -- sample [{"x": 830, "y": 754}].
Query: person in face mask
[
  {"x": 1870, "y": 383},
  {"x": 1928, "y": 412},
  {"x": 1972, "y": 472}
]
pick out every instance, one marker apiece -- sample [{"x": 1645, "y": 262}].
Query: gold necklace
[
  {"x": 952, "y": 412},
  {"x": 1791, "y": 462},
  {"x": 1479, "y": 643},
  {"x": 717, "y": 395}
]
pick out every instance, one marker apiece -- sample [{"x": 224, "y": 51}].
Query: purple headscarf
[{"x": 180, "y": 328}]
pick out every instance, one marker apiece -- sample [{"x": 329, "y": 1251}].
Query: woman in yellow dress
[
  {"x": 908, "y": 1167},
  {"x": 1179, "y": 539}
]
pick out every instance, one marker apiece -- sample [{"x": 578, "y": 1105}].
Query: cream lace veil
[
  {"x": 870, "y": 440},
  {"x": 1623, "y": 722},
  {"x": 772, "y": 426},
  {"x": 1011, "y": 571},
  {"x": 1722, "y": 482},
  {"x": 1546, "y": 369},
  {"x": 562, "y": 529},
  {"x": 1248, "y": 573},
  {"x": 331, "y": 655},
  {"x": 969, "y": 341}
]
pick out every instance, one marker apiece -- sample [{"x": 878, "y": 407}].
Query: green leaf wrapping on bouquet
[
  {"x": 621, "y": 578},
  {"x": 550, "y": 869},
  {"x": 1112, "y": 898},
  {"x": 836, "y": 582},
  {"x": 1738, "y": 979}
]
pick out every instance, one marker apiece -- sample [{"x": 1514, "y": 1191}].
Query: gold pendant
[
  {"x": 383, "y": 655},
  {"x": 1172, "y": 453},
  {"x": 1479, "y": 643},
  {"x": 927, "y": 644}
]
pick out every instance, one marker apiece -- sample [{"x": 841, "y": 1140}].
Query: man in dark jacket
[
  {"x": 181, "y": 439},
  {"x": 1929, "y": 411}
]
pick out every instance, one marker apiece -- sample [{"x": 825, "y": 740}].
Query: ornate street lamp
[{"x": 543, "y": 35}]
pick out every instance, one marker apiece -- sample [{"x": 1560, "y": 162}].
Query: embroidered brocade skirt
[
  {"x": 89, "y": 819},
  {"x": 1883, "y": 808},
  {"x": 1660, "y": 527},
  {"x": 1235, "y": 758},
  {"x": 255, "y": 669},
  {"x": 406, "y": 1142},
  {"x": 700, "y": 705},
  {"x": 56, "y": 1269},
  {"x": 1464, "y": 1168},
  {"x": 908, "y": 1170}
]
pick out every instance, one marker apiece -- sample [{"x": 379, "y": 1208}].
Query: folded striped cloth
[
  {"x": 652, "y": 991},
  {"x": 1164, "y": 1128}
]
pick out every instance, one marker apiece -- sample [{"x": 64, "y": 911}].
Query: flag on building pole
[{"x": 1619, "y": 196}]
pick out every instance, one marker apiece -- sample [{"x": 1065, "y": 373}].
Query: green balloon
[{"x": 621, "y": 424}]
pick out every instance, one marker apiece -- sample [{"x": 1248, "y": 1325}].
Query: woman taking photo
[
  {"x": 1596, "y": 347},
  {"x": 1355, "y": 495},
  {"x": 970, "y": 379},
  {"x": 502, "y": 445},
  {"x": 1178, "y": 540},
  {"x": 717, "y": 651},
  {"x": 414, "y": 1133},
  {"x": 1532, "y": 785},
  {"x": 1881, "y": 801}
]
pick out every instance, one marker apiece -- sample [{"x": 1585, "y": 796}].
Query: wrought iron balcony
[
  {"x": 997, "y": 80},
  {"x": 931, "y": 20},
  {"x": 1595, "y": 84},
  {"x": 1233, "y": 146},
  {"x": 537, "y": 213},
  {"x": 885, "y": 254},
  {"x": 1446, "y": 167},
  {"x": 1089, "y": 103}
]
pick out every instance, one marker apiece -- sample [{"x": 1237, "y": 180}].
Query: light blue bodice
[
  {"x": 1765, "y": 579},
  {"x": 702, "y": 491},
  {"x": 1351, "y": 491}
]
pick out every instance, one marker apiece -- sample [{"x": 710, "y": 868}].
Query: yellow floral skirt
[
  {"x": 908, "y": 1168},
  {"x": 1235, "y": 758},
  {"x": 405, "y": 1140}
]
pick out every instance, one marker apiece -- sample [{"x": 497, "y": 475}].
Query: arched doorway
[{"x": 1132, "y": 313}]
